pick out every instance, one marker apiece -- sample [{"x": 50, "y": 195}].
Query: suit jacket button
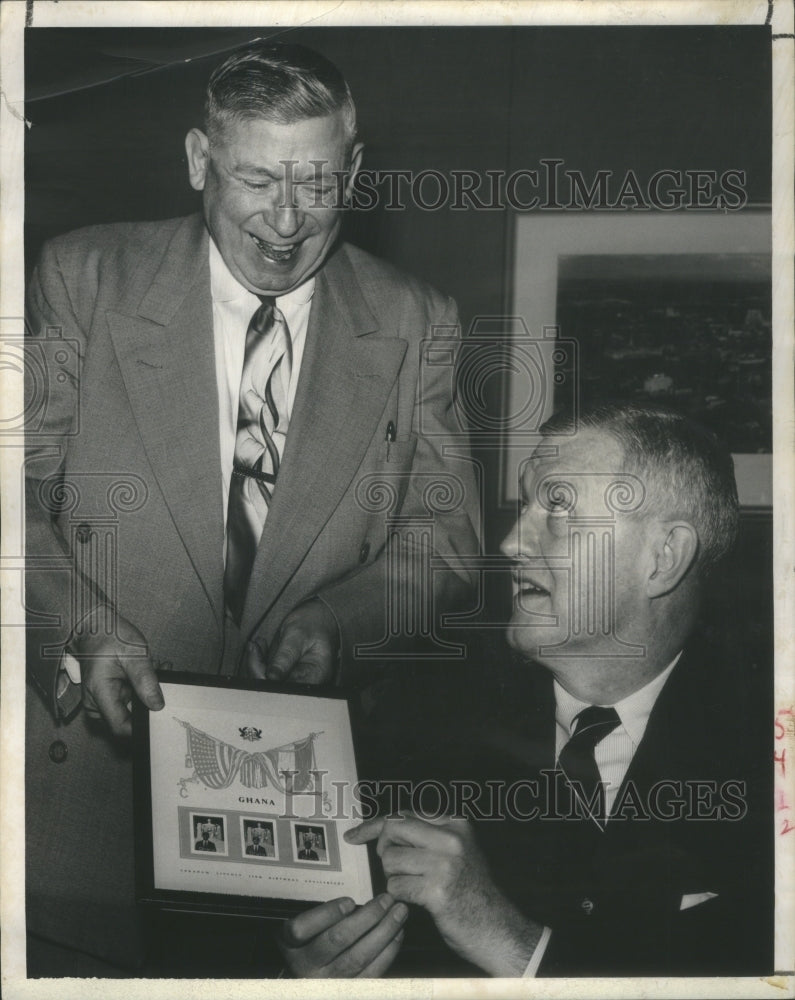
[
  {"x": 83, "y": 533},
  {"x": 587, "y": 906},
  {"x": 58, "y": 751},
  {"x": 364, "y": 552}
]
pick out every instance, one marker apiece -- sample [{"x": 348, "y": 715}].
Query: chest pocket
[
  {"x": 399, "y": 454},
  {"x": 382, "y": 488}
]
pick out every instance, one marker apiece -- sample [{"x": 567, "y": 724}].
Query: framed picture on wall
[{"x": 667, "y": 307}]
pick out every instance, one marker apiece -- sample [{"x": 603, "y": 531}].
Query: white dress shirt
[
  {"x": 233, "y": 307},
  {"x": 613, "y": 754}
]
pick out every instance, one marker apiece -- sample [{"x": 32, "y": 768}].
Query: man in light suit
[
  {"x": 664, "y": 865},
  {"x": 151, "y": 539}
]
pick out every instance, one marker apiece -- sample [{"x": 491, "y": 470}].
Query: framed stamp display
[{"x": 243, "y": 791}]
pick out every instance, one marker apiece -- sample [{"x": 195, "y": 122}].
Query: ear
[
  {"x": 353, "y": 170},
  {"x": 674, "y": 552},
  {"x": 197, "y": 147}
]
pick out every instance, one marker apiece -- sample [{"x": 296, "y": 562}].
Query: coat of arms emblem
[{"x": 250, "y": 733}]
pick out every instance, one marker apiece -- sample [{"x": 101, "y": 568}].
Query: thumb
[
  {"x": 254, "y": 661},
  {"x": 286, "y": 654},
  {"x": 142, "y": 677}
]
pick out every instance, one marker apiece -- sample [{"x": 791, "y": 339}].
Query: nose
[
  {"x": 284, "y": 219},
  {"x": 510, "y": 544},
  {"x": 519, "y": 540}
]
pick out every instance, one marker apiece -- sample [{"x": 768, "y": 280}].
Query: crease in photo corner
[
  {"x": 154, "y": 67},
  {"x": 775, "y": 983}
]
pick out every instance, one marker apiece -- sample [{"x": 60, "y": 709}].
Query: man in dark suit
[
  {"x": 257, "y": 848},
  {"x": 633, "y": 784},
  {"x": 307, "y": 852},
  {"x": 235, "y": 405},
  {"x": 205, "y": 844}
]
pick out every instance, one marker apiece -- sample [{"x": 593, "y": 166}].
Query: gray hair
[
  {"x": 281, "y": 83},
  {"x": 687, "y": 471}
]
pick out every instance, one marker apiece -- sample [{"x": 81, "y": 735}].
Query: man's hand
[
  {"x": 112, "y": 667},
  {"x": 439, "y": 866},
  {"x": 305, "y": 650},
  {"x": 338, "y": 939}
]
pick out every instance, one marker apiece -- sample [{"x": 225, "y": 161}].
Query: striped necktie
[
  {"x": 259, "y": 443},
  {"x": 577, "y": 760}
]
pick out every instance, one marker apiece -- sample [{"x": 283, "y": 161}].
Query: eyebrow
[
  {"x": 258, "y": 171},
  {"x": 539, "y": 463},
  {"x": 250, "y": 168}
]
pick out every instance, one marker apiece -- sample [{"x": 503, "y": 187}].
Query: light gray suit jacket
[{"x": 124, "y": 503}]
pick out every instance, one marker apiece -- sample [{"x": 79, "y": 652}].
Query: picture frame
[
  {"x": 233, "y": 780},
  {"x": 542, "y": 242}
]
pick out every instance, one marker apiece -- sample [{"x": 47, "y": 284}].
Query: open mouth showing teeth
[
  {"x": 274, "y": 253},
  {"x": 529, "y": 588}
]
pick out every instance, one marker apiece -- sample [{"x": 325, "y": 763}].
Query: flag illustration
[{"x": 217, "y": 764}]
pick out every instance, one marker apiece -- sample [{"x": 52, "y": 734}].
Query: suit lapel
[
  {"x": 346, "y": 378},
  {"x": 167, "y": 360},
  {"x": 675, "y": 730}
]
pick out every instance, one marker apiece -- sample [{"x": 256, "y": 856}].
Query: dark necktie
[
  {"x": 259, "y": 441},
  {"x": 577, "y": 761}
]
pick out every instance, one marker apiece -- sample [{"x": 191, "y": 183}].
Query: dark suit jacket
[
  {"x": 613, "y": 899},
  {"x": 260, "y": 851},
  {"x": 124, "y": 502}
]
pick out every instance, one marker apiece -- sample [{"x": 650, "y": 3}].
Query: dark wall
[
  {"x": 618, "y": 99},
  {"x": 110, "y": 108}
]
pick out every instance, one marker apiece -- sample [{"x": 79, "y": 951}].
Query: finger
[
  {"x": 409, "y": 831},
  {"x": 309, "y": 672},
  {"x": 89, "y": 704},
  {"x": 408, "y": 888},
  {"x": 379, "y": 966},
  {"x": 254, "y": 661},
  {"x": 331, "y": 945},
  {"x": 408, "y": 861},
  {"x": 302, "y": 928},
  {"x": 144, "y": 681},
  {"x": 286, "y": 654},
  {"x": 371, "y": 945},
  {"x": 365, "y": 832},
  {"x": 110, "y": 697},
  {"x": 402, "y": 829}
]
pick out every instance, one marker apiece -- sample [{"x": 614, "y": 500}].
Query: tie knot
[
  {"x": 592, "y": 724},
  {"x": 262, "y": 323},
  {"x": 262, "y": 320}
]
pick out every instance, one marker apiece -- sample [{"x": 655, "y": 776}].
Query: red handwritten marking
[
  {"x": 781, "y": 729},
  {"x": 782, "y": 798}
]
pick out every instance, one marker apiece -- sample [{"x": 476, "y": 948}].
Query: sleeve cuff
[
  {"x": 535, "y": 959},
  {"x": 68, "y": 692},
  {"x": 72, "y": 668}
]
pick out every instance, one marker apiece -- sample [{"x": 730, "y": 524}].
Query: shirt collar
[
  {"x": 226, "y": 288},
  {"x": 634, "y": 710}
]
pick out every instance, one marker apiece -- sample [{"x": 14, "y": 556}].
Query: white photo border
[{"x": 13, "y": 15}]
